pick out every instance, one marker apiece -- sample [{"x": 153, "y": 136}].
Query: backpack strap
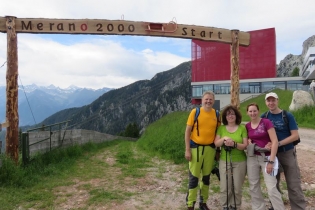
[
  {"x": 285, "y": 118},
  {"x": 196, "y": 119},
  {"x": 217, "y": 113},
  {"x": 265, "y": 115}
]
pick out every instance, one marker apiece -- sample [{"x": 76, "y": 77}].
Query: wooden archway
[{"x": 12, "y": 25}]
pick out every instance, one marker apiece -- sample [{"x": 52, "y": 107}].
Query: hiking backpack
[
  {"x": 285, "y": 120},
  {"x": 217, "y": 113}
]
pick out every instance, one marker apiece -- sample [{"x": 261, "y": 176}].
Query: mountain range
[
  {"x": 36, "y": 103},
  {"x": 142, "y": 102}
]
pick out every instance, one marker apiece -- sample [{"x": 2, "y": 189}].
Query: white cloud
[
  {"x": 93, "y": 63},
  {"x": 116, "y": 61}
]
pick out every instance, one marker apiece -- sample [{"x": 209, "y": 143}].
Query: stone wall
[{"x": 66, "y": 138}]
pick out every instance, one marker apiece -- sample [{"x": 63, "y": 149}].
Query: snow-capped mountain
[{"x": 39, "y": 102}]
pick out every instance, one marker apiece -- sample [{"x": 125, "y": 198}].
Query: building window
[
  {"x": 207, "y": 88},
  {"x": 267, "y": 86},
  {"x": 197, "y": 91},
  {"x": 296, "y": 85},
  {"x": 244, "y": 87},
  {"x": 254, "y": 87},
  {"x": 222, "y": 88},
  {"x": 280, "y": 85}
]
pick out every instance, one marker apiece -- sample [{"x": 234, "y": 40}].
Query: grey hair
[{"x": 208, "y": 92}]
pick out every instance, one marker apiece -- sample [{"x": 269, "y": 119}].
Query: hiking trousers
[
  {"x": 291, "y": 170},
  {"x": 201, "y": 164},
  {"x": 239, "y": 173},
  {"x": 255, "y": 164}
]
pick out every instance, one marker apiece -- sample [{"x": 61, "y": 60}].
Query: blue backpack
[{"x": 197, "y": 115}]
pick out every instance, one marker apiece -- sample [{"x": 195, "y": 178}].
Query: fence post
[
  {"x": 50, "y": 138},
  {"x": 59, "y": 135},
  {"x": 25, "y": 150}
]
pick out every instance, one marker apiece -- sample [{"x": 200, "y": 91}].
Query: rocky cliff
[{"x": 286, "y": 66}]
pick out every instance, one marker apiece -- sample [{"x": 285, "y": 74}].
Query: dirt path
[
  {"x": 307, "y": 139},
  {"x": 164, "y": 190},
  {"x": 306, "y": 158}
]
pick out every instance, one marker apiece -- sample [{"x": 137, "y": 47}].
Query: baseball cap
[{"x": 271, "y": 95}]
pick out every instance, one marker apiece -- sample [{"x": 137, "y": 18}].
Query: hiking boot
[
  {"x": 271, "y": 207},
  {"x": 229, "y": 208},
  {"x": 203, "y": 206}
]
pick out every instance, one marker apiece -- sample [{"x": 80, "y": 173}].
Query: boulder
[{"x": 300, "y": 99}]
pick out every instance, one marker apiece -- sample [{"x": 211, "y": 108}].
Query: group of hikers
[{"x": 269, "y": 142}]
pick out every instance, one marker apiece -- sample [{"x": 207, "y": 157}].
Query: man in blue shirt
[{"x": 287, "y": 133}]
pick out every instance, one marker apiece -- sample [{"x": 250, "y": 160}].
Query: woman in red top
[{"x": 261, "y": 132}]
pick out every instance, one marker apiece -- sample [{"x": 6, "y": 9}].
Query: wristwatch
[
  {"x": 279, "y": 144},
  {"x": 271, "y": 162}
]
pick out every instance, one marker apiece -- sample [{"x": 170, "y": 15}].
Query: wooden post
[
  {"x": 12, "y": 117},
  {"x": 235, "y": 83}
]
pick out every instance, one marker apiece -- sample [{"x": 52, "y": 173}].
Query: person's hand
[
  {"x": 249, "y": 141},
  {"x": 188, "y": 155},
  {"x": 269, "y": 168},
  {"x": 229, "y": 142},
  {"x": 268, "y": 146}
]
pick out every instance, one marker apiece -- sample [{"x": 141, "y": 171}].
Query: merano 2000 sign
[
  {"x": 101, "y": 27},
  {"x": 13, "y": 25},
  {"x": 122, "y": 27}
]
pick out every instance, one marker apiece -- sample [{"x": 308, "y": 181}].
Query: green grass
[
  {"x": 37, "y": 184},
  {"x": 165, "y": 137}
]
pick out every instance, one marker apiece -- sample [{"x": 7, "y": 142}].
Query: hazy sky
[{"x": 96, "y": 61}]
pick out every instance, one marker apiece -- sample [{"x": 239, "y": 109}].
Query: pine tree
[
  {"x": 132, "y": 130},
  {"x": 295, "y": 72}
]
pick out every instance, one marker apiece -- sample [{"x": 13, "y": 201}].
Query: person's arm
[
  {"x": 274, "y": 148},
  {"x": 218, "y": 141},
  {"x": 293, "y": 130},
  {"x": 187, "y": 142},
  {"x": 292, "y": 126},
  {"x": 294, "y": 136},
  {"x": 242, "y": 146}
]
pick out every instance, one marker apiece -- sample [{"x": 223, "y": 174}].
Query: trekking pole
[
  {"x": 233, "y": 190},
  {"x": 227, "y": 178}
]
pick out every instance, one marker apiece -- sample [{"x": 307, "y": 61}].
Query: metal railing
[{"x": 25, "y": 139}]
